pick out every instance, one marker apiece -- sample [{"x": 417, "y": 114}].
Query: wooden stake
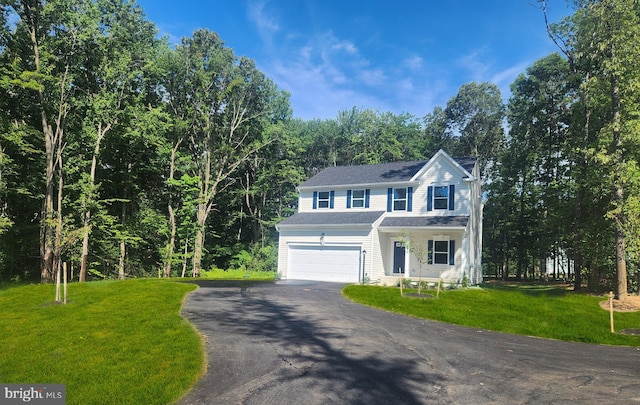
[
  {"x": 58, "y": 285},
  {"x": 611, "y": 310},
  {"x": 64, "y": 280}
]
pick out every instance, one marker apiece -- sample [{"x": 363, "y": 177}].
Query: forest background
[{"x": 127, "y": 157}]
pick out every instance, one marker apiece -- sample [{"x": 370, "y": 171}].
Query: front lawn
[
  {"x": 542, "y": 311},
  {"x": 237, "y": 274},
  {"x": 114, "y": 342}
]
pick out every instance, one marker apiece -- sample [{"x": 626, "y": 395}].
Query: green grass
[
  {"x": 546, "y": 312},
  {"x": 237, "y": 274},
  {"x": 119, "y": 342}
]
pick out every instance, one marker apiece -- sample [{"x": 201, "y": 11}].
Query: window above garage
[
  {"x": 358, "y": 198},
  {"x": 323, "y": 199}
]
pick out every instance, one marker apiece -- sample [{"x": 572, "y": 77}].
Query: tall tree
[
  {"x": 123, "y": 43},
  {"x": 604, "y": 38},
  {"x": 436, "y": 135},
  {"x": 475, "y": 116},
  {"x": 537, "y": 156},
  {"x": 227, "y": 100},
  {"x": 49, "y": 60}
]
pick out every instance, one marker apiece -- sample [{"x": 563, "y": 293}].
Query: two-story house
[{"x": 381, "y": 222}]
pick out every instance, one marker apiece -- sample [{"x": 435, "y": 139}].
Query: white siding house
[{"x": 377, "y": 223}]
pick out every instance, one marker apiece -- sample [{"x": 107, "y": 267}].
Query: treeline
[
  {"x": 567, "y": 183},
  {"x": 126, "y": 157}
]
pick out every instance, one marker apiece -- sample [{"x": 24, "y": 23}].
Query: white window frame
[
  {"x": 440, "y": 198},
  {"x": 358, "y": 202},
  {"x": 440, "y": 253},
  {"x": 323, "y": 203},
  {"x": 404, "y": 200}
]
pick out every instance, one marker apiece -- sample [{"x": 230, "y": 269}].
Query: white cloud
[
  {"x": 504, "y": 78},
  {"x": 346, "y": 46},
  {"x": 413, "y": 63},
  {"x": 266, "y": 24},
  {"x": 472, "y": 62},
  {"x": 373, "y": 77},
  {"x": 315, "y": 90},
  {"x": 326, "y": 74},
  {"x": 508, "y": 75}
]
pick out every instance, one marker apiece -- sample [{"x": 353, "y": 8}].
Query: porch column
[{"x": 407, "y": 259}]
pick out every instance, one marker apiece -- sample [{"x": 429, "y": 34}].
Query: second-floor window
[
  {"x": 441, "y": 197},
  {"x": 323, "y": 199},
  {"x": 357, "y": 198},
  {"x": 399, "y": 199}
]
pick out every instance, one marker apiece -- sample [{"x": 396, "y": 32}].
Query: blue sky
[{"x": 405, "y": 56}]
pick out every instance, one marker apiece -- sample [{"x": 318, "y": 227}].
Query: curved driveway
[{"x": 303, "y": 343}]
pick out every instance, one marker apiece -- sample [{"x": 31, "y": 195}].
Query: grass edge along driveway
[
  {"x": 125, "y": 341},
  {"x": 540, "y": 311},
  {"x": 120, "y": 342}
]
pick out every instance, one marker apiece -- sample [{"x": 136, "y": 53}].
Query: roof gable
[{"x": 465, "y": 164}]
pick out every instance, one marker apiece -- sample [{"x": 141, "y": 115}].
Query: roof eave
[
  {"x": 361, "y": 185},
  {"x": 388, "y": 229},
  {"x": 279, "y": 226}
]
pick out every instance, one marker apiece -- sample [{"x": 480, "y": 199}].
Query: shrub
[{"x": 257, "y": 258}]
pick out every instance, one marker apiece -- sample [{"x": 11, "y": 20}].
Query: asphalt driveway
[{"x": 303, "y": 343}]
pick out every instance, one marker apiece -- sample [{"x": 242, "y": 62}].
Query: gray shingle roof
[
  {"x": 365, "y": 174},
  {"x": 467, "y": 162},
  {"x": 372, "y": 174},
  {"x": 332, "y": 218},
  {"x": 424, "y": 222}
]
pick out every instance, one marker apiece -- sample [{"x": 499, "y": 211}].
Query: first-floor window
[{"x": 441, "y": 252}]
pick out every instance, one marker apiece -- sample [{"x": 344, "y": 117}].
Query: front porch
[{"x": 423, "y": 254}]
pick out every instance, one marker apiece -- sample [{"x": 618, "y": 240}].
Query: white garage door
[{"x": 324, "y": 263}]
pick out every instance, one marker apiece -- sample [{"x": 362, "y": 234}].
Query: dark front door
[{"x": 398, "y": 257}]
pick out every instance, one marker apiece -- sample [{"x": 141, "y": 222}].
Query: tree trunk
[
  {"x": 172, "y": 215},
  {"x": 184, "y": 258},
  {"x": 172, "y": 241},
  {"x": 86, "y": 222},
  {"x": 57, "y": 251},
  {"x": 123, "y": 245},
  {"x": 199, "y": 240},
  {"x": 47, "y": 240},
  {"x": 621, "y": 263},
  {"x": 121, "y": 261},
  {"x": 52, "y": 139},
  {"x": 46, "y": 231}
]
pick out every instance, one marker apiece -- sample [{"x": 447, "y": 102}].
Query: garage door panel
[{"x": 324, "y": 263}]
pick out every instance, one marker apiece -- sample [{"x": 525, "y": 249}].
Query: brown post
[
  {"x": 58, "y": 285},
  {"x": 64, "y": 280},
  {"x": 611, "y": 311}
]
